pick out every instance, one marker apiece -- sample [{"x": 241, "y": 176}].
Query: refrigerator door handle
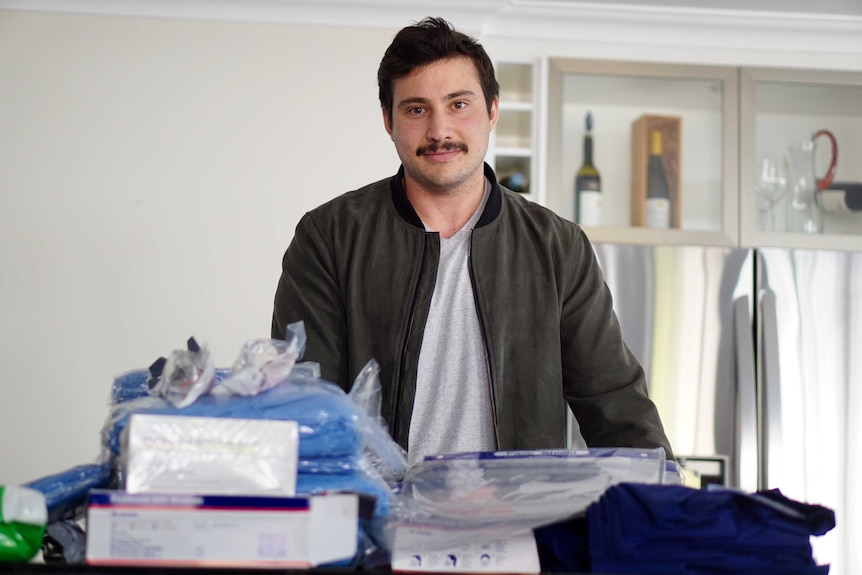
[
  {"x": 770, "y": 388},
  {"x": 747, "y": 459}
]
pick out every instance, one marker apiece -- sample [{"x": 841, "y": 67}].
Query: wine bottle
[
  {"x": 588, "y": 184},
  {"x": 658, "y": 191}
]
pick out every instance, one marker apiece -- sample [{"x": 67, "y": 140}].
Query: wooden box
[{"x": 671, "y": 131}]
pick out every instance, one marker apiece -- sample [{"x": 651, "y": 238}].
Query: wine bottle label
[
  {"x": 834, "y": 201},
  {"x": 658, "y": 213},
  {"x": 590, "y": 207}
]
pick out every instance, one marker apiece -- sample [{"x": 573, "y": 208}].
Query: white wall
[
  {"x": 151, "y": 175},
  {"x": 152, "y": 170}
]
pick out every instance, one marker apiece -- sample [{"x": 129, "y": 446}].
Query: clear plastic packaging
[
  {"x": 264, "y": 363},
  {"x": 343, "y": 442},
  {"x": 487, "y": 495},
  {"x": 387, "y": 457},
  {"x": 136, "y": 383},
  {"x": 673, "y": 474},
  {"x": 327, "y": 419},
  {"x": 185, "y": 375}
]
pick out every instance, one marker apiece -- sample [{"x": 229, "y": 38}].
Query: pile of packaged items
[
  {"x": 263, "y": 464},
  {"x": 267, "y": 465},
  {"x": 477, "y": 511},
  {"x": 594, "y": 511}
]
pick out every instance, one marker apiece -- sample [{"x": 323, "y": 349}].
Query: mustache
[{"x": 436, "y": 147}]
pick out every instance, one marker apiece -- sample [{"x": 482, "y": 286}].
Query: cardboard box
[
  {"x": 220, "y": 530},
  {"x": 671, "y": 132}
]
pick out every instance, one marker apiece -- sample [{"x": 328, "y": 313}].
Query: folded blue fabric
[
  {"x": 336, "y": 465},
  {"x": 564, "y": 546},
  {"x": 66, "y": 490},
  {"x": 327, "y": 418},
  {"x": 640, "y": 528},
  {"x": 357, "y": 482}
]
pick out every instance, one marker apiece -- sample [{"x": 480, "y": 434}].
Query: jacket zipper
[
  {"x": 396, "y": 418},
  {"x": 484, "y": 341}
]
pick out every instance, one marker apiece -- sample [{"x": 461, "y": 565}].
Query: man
[{"x": 484, "y": 311}]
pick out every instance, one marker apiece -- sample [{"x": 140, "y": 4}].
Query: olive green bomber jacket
[{"x": 360, "y": 272}]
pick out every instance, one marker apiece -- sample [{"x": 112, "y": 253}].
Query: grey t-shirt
[{"x": 452, "y": 408}]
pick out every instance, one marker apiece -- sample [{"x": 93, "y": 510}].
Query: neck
[{"x": 446, "y": 211}]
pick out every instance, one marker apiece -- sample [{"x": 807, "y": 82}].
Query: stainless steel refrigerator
[{"x": 754, "y": 359}]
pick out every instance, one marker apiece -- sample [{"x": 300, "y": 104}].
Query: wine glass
[{"x": 771, "y": 188}]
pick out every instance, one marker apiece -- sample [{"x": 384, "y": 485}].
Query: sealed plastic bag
[
  {"x": 343, "y": 444},
  {"x": 469, "y": 497},
  {"x": 327, "y": 420}
]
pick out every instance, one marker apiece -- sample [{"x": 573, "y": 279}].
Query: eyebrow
[{"x": 448, "y": 97}]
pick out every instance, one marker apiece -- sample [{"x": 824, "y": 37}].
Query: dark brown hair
[{"x": 424, "y": 43}]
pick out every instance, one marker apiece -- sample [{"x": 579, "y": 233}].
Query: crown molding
[
  {"x": 562, "y": 20},
  {"x": 620, "y": 23},
  {"x": 470, "y": 15}
]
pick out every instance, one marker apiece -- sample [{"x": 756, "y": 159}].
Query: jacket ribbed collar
[{"x": 406, "y": 211}]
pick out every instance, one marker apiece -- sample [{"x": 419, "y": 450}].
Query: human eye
[
  {"x": 415, "y": 110},
  {"x": 460, "y": 104}
]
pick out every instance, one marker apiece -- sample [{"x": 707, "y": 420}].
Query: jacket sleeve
[
  {"x": 603, "y": 381},
  {"x": 308, "y": 291}
]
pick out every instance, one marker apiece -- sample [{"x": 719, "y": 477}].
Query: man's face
[{"x": 440, "y": 124}]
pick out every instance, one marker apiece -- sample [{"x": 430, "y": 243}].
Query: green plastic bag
[{"x": 23, "y": 514}]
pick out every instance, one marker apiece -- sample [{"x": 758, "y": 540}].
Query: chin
[
  {"x": 444, "y": 183},
  {"x": 446, "y": 176}
]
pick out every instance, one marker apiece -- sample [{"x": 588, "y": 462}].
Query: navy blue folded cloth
[
  {"x": 656, "y": 529},
  {"x": 663, "y": 529}
]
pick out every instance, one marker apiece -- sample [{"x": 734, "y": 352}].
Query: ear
[
  {"x": 495, "y": 109},
  {"x": 387, "y": 122}
]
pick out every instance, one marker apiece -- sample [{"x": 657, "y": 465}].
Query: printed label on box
[
  {"x": 177, "y": 529},
  {"x": 418, "y": 549}
]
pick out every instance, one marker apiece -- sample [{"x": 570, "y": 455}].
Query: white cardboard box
[{"x": 220, "y": 530}]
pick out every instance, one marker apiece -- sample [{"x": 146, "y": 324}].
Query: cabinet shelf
[
  {"x": 516, "y": 106},
  {"x": 514, "y": 129},
  {"x": 729, "y": 117},
  {"x": 780, "y": 107},
  {"x": 516, "y": 83},
  {"x": 617, "y": 94},
  {"x": 514, "y": 151},
  {"x": 640, "y": 235}
]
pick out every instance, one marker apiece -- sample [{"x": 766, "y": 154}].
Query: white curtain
[{"x": 819, "y": 315}]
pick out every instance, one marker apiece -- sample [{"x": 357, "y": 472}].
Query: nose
[{"x": 438, "y": 127}]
